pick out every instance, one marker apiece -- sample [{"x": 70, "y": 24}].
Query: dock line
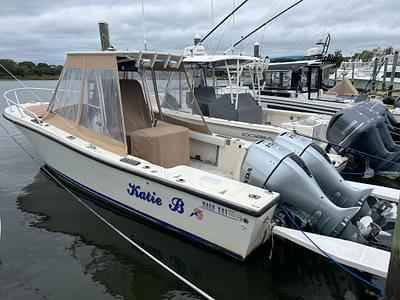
[
  {"x": 344, "y": 268},
  {"x": 137, "y": 246},
  {"x": 141, "y": 249}
]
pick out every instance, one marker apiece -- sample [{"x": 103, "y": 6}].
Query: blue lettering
[
  {"x": 177, "y": 205},
  {"x": 157, "y": 201},
  {"x": 142, "y": 195},
  {"x": 134, "y": 191},
  {"x": 131, "y": 189}
]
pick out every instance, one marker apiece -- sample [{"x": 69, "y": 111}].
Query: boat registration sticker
[{"x": 220, "y": 210}]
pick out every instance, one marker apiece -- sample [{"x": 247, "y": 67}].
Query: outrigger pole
[
  {"x": 223, "y": 20},
  {"x": 262, "y": 25}
]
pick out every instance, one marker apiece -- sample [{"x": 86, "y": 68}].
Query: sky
[{"x": 44, "y": 30}]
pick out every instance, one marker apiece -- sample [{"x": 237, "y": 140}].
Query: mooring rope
[
  {"x": 121, "y": 234},
  {"x": 324, "y": 253},
  {"x": 124, "y": 236}
]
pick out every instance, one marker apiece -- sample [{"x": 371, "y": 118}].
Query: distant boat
[{"x": 361, "y": 72}]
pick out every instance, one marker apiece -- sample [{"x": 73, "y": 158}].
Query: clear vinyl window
[
  {"x": 101, "y": 109},
  {"x": 65, "y": 102}
]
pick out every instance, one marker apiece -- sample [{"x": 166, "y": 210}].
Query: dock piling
[
  {"x": 104, "y": 36},
  {"x": 393, "y": 73},
  {"x": 374, "y": 74},
  {"x": 384, "y": 74},
  {"x": 392, "y": 290}
]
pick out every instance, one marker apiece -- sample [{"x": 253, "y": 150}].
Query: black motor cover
[{"x": 367, "y": 128}]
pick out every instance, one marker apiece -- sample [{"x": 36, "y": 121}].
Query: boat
[
  {"x": 361, "y": 72},
  {"x": 100, "y": 134},
  {"x": 228, "y": 90},
  {"x": 298, "y": 83},
  {"x": 303, "y": 84}
]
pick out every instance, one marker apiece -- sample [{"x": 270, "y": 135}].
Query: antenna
[
  {"x": 212, "y": 19},
  {"x": 223, "y": 20},
  {"x": 144, "y": 28},
  {"x": 262, "y": 25},
  {"x": 233, "y": 24}
]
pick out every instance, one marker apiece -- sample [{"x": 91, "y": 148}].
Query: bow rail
[{"x": 21, "y": 108}]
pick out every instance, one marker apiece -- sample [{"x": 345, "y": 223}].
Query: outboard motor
[
  {"x": 365, "y": 128},
  {"x": 328, "y": 178},
  {"x": 271, "y": 166},
  {"x": 375, "y": 107}
]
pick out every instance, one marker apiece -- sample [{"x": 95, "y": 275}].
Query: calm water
[{"x": 53, "y": 248}]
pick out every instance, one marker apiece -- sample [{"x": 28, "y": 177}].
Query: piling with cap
[
  {"x": 104, "y": 36},
  {"x": 384, "y": 73},
  {"x": 374, "y": 73},
  {"x": 392, "y": 75},
  {"x": 257, "y": 49}
]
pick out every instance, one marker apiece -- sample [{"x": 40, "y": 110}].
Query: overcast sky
[{"x": 43, "y": 30}]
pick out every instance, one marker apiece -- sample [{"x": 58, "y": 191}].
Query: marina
[{"x": 201, "y": 173}]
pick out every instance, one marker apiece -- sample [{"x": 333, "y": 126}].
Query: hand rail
[{"x": 16, "y": 103}]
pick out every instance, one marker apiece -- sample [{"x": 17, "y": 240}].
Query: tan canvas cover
[
  {"x": 136, "y": 113},
  {"x": 164, "y": 145},
  {"x": 94, "y": 67},
  {"x": 189, "y": 125},
  {"x": 343, "y": 88},
  {"x": 88, "y": 135}
]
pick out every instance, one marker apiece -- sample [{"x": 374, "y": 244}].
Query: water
[{"x": 53, "y": 248}]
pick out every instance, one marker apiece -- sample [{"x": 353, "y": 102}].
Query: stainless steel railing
[{"x": 21, "y": 108}]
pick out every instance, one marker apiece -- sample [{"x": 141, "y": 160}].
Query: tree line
[{"x": 28, "y": 70}]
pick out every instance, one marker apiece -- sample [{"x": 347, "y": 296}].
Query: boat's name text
[{"x": 176, "y": 204}]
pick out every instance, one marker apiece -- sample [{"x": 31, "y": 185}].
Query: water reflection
[{"x": 292, "y": 273}]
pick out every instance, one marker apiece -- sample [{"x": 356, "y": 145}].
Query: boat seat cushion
[{"x": 165, "y": 145}]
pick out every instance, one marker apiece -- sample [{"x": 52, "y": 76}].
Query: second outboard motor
[
  {"x": 328, "y": 178},
  {"x": 271, "y": 166},
  {"x": 364, "y": 128}
]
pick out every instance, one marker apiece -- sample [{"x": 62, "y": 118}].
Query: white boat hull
[{"x": 191, "y": 214}]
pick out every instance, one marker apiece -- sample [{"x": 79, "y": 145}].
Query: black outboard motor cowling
[{"x": 367, "y": 129}]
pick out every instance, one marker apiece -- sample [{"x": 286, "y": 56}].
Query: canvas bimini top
[{"x": 88, "y": 100}]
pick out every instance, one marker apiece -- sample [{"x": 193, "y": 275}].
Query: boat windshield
[
  {"x": 87, "y": 103},
  {"x": 213, "y": 76},
  {"x": 102, "y": 97},
  {"x": 168, "y": 90}
]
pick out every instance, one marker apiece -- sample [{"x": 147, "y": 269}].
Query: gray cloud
[{"x": 43, "y": 30}]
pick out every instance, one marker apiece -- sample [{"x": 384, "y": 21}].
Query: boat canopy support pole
[{"x": 153, "y": 77}]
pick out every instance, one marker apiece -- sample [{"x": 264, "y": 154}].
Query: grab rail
[{"x": 17, "y": 103}]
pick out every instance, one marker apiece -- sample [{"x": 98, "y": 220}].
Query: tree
[
  {"x": 28, "y": 69},
  {"x": 356, "y": 56},
  {"x": 28, "y": 64},
  {"x": 10, "y": 65},
  {"x": 388, "y": 50},
  {"x": 338, "y": 57},
  {"x": 366, "y": 55}
]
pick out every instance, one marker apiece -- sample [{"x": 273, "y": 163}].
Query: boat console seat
[
  {"x": 165, "y": 145},
  {"x": 134, "y": 106},
  {"x": 205, "y": 96}
]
